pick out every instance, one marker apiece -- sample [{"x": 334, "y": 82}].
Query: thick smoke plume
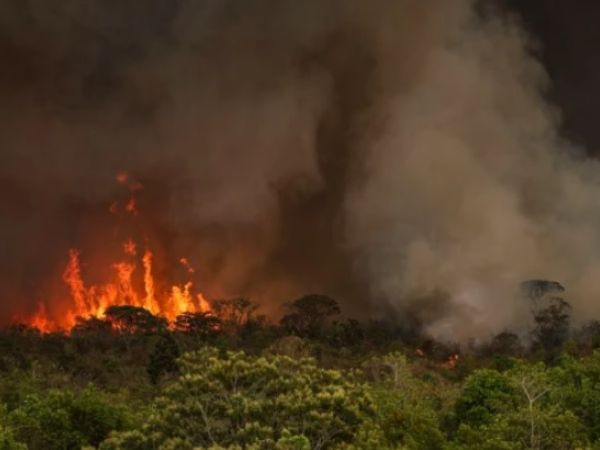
[{"x": 397, "y": 155}]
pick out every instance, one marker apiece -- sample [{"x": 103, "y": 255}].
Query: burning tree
[{"x": 133, "y": 283}]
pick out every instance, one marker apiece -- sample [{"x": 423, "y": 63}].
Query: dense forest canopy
[{"x": 314, "y": 380}]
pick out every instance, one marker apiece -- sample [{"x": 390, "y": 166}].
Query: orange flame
[
  {"x": 39, "y": 321},
  {"x": 129, "y": 248},
  {"x": 150, "y": 299},
  {"x": 452, "y": 362},
  {"x": 93, "y": 301},
  {"x": 72, "y": 276},
  {"x": 128, "y": 286},
  {"x": 122, "y": 177},
  {"x": 185, "y": 263},
  {"x": 131, "y": 206},
  {"x": 203, "y": 305}
]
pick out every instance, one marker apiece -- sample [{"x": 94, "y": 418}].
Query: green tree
[
  {"x": 59, "y": 419},
  {"x": 163, "y": 358},
  {"x": 518, "y": 413},
  {"x": 407, "y": 407},
  {"x": 8, "y": 440},
  {"x": 576, "y": 387},
  {"x": 485, "y": 394},
  {"x": 233, "y": 399}
]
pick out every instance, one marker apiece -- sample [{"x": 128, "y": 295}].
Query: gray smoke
[
  {"x": 398, "y": 155},
  {"x": 469, "y": 188}
]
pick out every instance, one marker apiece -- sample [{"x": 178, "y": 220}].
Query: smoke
[
  {"x": 397, "y": 155},
  {"x": 469, "y": 189}
]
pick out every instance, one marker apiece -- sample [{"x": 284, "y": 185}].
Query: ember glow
[{"x": 132, "y": 283}]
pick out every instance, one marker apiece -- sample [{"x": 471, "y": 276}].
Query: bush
[{"x": 63, "y": 420}]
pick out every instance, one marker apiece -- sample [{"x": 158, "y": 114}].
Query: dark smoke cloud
[
  {"x": 397, "y": 155},
  {"x": 235, "y": 116}
]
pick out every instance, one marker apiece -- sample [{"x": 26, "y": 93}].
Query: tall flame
[
  {"x": 92, "y": 301},
  {"x": 72, "y": 276},
  {"x": 150, "y": 300},
  {"x": 125, "y": 286}
]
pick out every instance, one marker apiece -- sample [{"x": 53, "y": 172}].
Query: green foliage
[
  {"x": 515, "y": 410},
  {"x": 126, "y": 440},
  {"x": 578, "y": 390},
  {"x": 347, "y": 333},
  {"x": 163, "y": 358},
  {"x": 8, "y": 441},
  {"x": 554, "y": 430},
  {"x": 291, "y": 346},
  {"x": 495, "y": 397},
  {"x": 485, "y": 394},
  {"x": 233, "y": 399},
  {"x": 392, "y": 368},
  {"x": 288, "y": 441},
  {"x": 63, "y": 420},
  {"x": 407, "y": 407}
]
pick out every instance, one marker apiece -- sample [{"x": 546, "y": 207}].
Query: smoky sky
[{"x": 412, "y": 159}]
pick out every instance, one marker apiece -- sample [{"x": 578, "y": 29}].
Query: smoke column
[{"x": 397, "y": 155}]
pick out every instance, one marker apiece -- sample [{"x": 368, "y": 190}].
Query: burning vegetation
[{"x": 132, "y": 283}]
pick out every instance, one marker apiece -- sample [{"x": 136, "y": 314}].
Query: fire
[
  {"x": 129, "y": 248},
  {"x": 131, "y": 206},
  {"x": 452, "y": 362},
  {"x": 72, "y": 276},
  {"x": 92, "y": 301},
  {"x": 132, "y": 283},
  {"x": 122, "y": 177},
  {"x": 39, "y": 321},
  {"x": 150, "y": 299},
  {"x": 185, "y": 263}
]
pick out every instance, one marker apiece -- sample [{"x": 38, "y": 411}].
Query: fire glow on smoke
[{"x": 92, "y": 300}]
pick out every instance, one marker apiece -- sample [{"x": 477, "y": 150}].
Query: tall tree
[{"x": 308, "y": 314}]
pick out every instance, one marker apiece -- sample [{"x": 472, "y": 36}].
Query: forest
[{"x": 232, "y": 379}]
